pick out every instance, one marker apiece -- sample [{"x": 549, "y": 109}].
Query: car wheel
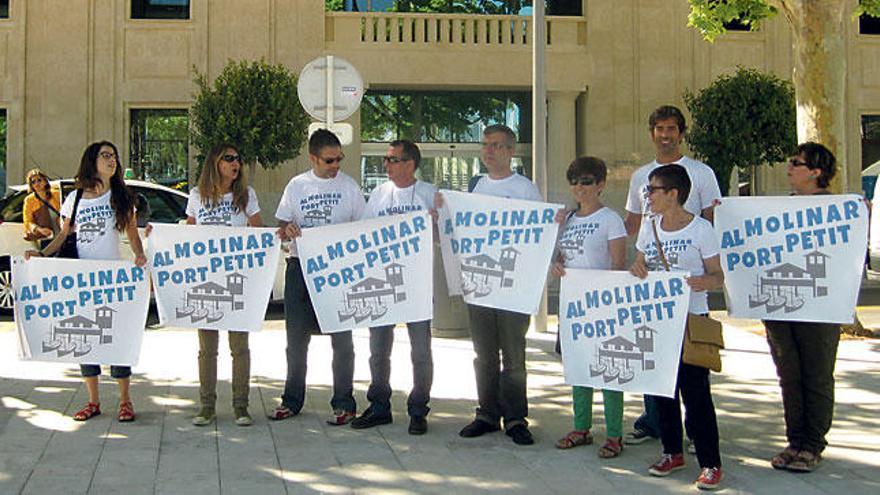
[{"x": 7, "y": 294}]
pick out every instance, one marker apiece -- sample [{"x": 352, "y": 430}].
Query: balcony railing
[{"x": 453, "y": 30}]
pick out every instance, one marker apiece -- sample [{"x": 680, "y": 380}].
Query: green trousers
[{"x": 583, "y": 410}]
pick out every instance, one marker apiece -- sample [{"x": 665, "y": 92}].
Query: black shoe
[
  {"x": 477, "y": 428},
  {"x": 520, "y": 435},
  {"x": 368, "y": 420},
  {"x": 418, "y": 425}
]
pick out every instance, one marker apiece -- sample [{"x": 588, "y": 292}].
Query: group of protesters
[{"x": 670, "y": 202}]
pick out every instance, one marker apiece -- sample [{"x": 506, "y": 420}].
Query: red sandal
[
  {"x": 91, "y": 409},
  {"x": 126, "y": 412}
]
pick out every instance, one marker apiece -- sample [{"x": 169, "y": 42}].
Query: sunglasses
[
  {"x": 36, "y": 179},
  {"x": 794, "y": 162},
  {"x": 331, "y": 161},
  {"x": 651, "y": 189},
  {"x": 232, "y": 158},
  {"x": 107, "y": 155},
  {"x": 393, "y": 159},
  {"x": 583, "y": 181}
]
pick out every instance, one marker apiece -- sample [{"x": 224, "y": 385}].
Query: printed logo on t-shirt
[
  {"x": 572, "y": 242},
  {"x": 91, "y": 222},
  {"x": 218, "y": 215},
  {"x": 318, "y": 208},
  {"x": 398, "y": 209},
  {"x": 672, "y": 249}
]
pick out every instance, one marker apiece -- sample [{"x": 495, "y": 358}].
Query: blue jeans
[
  {"x": 301, "y": 322},
  {"x": 381, "y": 342},
  {"x": 649, "y": 421},
  {"x": 501, "y": 384},
  {"x": 90, "y": 370}
]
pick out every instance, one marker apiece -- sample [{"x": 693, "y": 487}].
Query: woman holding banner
[
  {"x": 804, "y": 352},
  {"x": 223, "y": 198},
  {"x": 594, "y": 238},
  {"x": 102, "y": 201},
  {"x": 677, "y": 240}
]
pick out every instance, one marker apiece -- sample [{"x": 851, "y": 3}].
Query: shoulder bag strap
[
  {"x": 79, "y": 195},
  {"x": 659, "y": 245}
]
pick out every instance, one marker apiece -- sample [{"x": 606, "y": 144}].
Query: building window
[
  {"x": 160, "y": 9},
  {"x": 4, "y": 9},
  {"x": 870, "y": 152},
  {"x": 447, "y": 126},
  {"x": 3, "y": 128},
  {"x": 159, "y": 145},
  {"x": 736, "y": 25},
  {"x": 869, "y": 25}
]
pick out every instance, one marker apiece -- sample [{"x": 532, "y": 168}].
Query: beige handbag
[{"x": 703, "y": 337}]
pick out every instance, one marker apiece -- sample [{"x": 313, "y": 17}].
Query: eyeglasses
[
  {"x": 393, "y": 159},
  {"x": 794, "y": 162},
  {"x": 494, "y": 146},
  {"x": 651, "y": 189},
  {"x": 583, "y": 181},
  {"x": 107, "y": 155},
  {"x": 232, "y": 158},
  {"x": 331, "y": 161}
]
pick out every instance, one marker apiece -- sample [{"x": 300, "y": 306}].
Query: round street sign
[{"x": 348, "y": 88}]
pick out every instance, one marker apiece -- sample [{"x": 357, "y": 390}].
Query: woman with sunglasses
[
  {"x": 223, "y": 198},
  {"x": 107, "y": 207},
  {"x": 805, "y": 352},
  {"x": 40, "y": 212},
  {"x": 593, "y": 237},
  {"x": 678, "y": 240}
]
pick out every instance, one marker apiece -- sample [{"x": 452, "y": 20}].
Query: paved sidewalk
[{"x": 43, "y": 451}]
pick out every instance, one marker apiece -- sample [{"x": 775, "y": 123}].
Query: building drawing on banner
[
  {"x": 616, "y": 357},
  {"x": 89, "y": 231},
  {"x": 481, "y": 272},
  {"x": 787, "y": 285},
  {"x": 368, "y": 298},
  {"x": 318, "y": 216},
  {"x": 206, "y": 301},
  {"x": 572, "y": 246},
  {"x": 74, "y": 334}
]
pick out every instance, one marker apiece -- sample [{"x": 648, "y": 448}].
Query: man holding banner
[
  {"x": 322, "y": 196},
  {"x": 402, "y": 193},
  {"x": 501, "y": 386},
  {"x": 666, "y": 127}
]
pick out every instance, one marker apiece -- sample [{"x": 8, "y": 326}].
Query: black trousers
[{"x": 696, "y": 393}]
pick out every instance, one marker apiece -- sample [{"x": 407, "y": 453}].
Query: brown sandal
[
  {"x": 91, "y": 409},
  {"x": 784, "y": 458},
  {"x": 612, "y": 448},
  {"x": 126, "y": 412},
  {"x": 805, "y": 462},
  {"x": 574, "y": 438}
]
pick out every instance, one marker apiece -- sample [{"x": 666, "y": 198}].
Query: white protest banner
[
  {"x": 452, "y": 269},
  {"x": 794, "y": 258},
  {"x": 212, "y": 276},
  {"x": 498, "y": 249},
  {"x": 369, "y": 273},
  {"x": 620, "y": 332},
  {"x": 80, "y": 311}
]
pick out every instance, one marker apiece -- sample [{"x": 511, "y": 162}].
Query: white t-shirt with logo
[
  {"x": 704, "y": 187},
  {"x": 685, "y": 250},
  {"x": 514, "y": 186},
  {"x": 388, "y": 199},
  {"x": 95, "y": 226},
  {"x": 224, "y": 212},
  {"x": 584, "y": 240},
  {"x": 310, "y": 201}
]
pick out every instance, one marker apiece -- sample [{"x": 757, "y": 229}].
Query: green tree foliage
[
  {"x": 742, "y": 120},
  {"x": 510, "y": 7},
  {"x": 254, "y": 106}
]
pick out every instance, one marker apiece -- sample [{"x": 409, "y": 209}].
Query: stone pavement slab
[{"x": 43, "y": 451}]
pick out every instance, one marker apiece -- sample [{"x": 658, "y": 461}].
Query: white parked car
[{"x": 165, "y": 205}]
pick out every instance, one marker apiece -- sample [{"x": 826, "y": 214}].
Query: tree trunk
[{"x": 820, "y": 76}]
